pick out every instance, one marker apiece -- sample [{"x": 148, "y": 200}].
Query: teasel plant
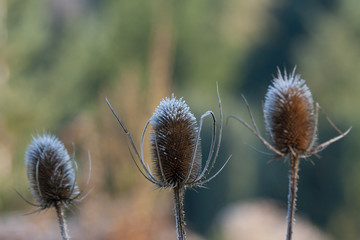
[
  {"x": 52, "y": 176},
  {"x": 176, "y": 151},
  {"x": 291, "y": 121}
]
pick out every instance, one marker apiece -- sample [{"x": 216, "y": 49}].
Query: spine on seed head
[
  {"x": 173, "y": 137},
  {"x": 50, "y": 171},
  {"x": 289, "y": 114}
]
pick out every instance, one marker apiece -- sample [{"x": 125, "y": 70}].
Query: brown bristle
[
  {"x": 289, "y": 114},
  {"x": 173, "y": 141}
]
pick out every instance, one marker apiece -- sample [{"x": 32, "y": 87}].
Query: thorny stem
[
  {"x": 179, "y": 192},
  {"x": 293, "y": 179},
  {"x": 63, "y": 226}
]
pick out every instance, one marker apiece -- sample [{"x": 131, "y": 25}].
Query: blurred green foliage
[{"x": 65, "y": 56}]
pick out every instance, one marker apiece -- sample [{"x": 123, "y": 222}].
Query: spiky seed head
[
  {"x": 174, "y": 131},
  {"x": 289, "y": 114},
  {"x": 50, "y": 171}
]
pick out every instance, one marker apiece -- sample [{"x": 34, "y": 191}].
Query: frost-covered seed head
[
  {"x": 50, "y": 171},
  {"x": 174, "y": 130},
  {"x": 289, "y": 114}
]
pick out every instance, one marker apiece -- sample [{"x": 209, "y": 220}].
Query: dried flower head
[
  {"x": 50, "y": 171},
  {"x": 291, "y": 122},
  {"x": 290, "y": 118},
  {"x": 173, "y": 141},
  {"x": 289, "y": 114}
]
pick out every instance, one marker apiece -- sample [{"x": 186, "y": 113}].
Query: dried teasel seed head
[
  {"x": 50, "y": 171},
  {"x": 173, "y": 138},
  {"x": 289, "y": 114}
]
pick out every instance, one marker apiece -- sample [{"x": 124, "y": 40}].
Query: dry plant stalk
[
  {"x": 291, "y": 122},
  {"x": 52, "y": 177},
  {"x": 176, "y": 151}
]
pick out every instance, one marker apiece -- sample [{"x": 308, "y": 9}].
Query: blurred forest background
[{"x": 59, "y": 59}]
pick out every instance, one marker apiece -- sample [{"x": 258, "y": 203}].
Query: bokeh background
[{"x": 59, "y": 59}]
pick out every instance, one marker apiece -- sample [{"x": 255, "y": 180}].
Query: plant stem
[
  {"x": 293, "y": 179},
  {"x": 63, "y": 226},
  {"x": 179, "y": 192}
]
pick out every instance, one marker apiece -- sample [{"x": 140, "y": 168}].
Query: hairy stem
[
  {"x": 63, "y": 226},
  {"x": 293, "y": 179},
  {"x": 179, "y": 192}
]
